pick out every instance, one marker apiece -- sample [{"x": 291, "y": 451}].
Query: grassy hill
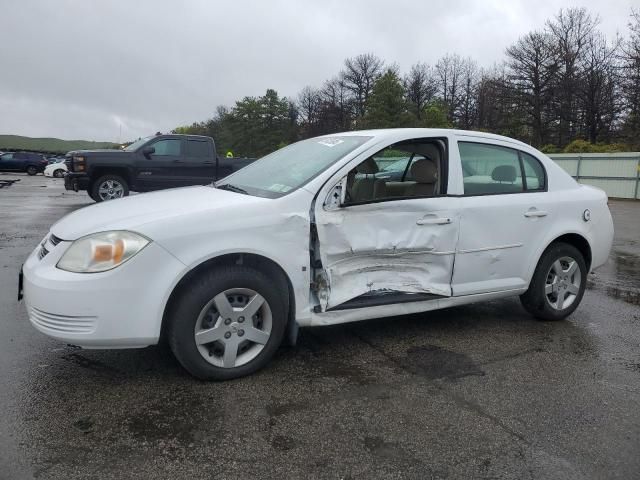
[{"x": 53, "y": 145}]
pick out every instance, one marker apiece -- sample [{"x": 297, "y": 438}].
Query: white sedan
[
  {"x": 311, "y": 235},
  {"x": 57, "y": 169}
]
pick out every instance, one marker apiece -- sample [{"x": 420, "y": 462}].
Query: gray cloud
[{"x": 83, "y": 69}]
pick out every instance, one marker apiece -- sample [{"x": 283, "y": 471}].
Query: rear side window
[
  {"x": 490, "y": 169},
  {"x": 533, "y": 172},
  {"x": 167, "y": 147},
  {"x": 197, "y": 148}
]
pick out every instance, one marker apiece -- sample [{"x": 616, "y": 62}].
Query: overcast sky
[{"x": 84, "y": 69}]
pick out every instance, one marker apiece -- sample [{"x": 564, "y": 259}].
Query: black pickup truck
[{"x": 151, "y": 163}]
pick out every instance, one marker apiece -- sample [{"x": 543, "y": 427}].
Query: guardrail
[{"x": 618, "y": 174}]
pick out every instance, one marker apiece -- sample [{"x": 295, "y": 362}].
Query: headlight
[
  {"x": 78, "y": 164},
  {"x": 101, "y": 251}
]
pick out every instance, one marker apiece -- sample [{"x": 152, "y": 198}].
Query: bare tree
[
  {"x": 336, "y": 110},
  {"x": 359, "y": 75},
  {"x": 465, "y": 114},
  {"x": 599, "y": 104},
  {"x": 570, "y": 30},
  {"x": 309, "y": 105},
  {"x": 421, "y": 87},
  {"x": 452, "y": 72},
  {"x": 533, "y": 65},
  {"x": 631, "y": 81},
  {"x": 496, "y": 110}
]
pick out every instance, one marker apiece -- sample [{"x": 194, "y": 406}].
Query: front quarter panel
[{"x": 277, "y": 229}]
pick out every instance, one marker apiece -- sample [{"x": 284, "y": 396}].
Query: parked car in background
[
  {"x": 32, "y": 163},
  {"x": 58, "y": 159},
  {"x": 57, "y": 169},
  {"x": 228, "y": 271},
  {"x": 152, "y": 163}
]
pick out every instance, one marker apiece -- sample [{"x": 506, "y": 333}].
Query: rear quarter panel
[{"x": 598, "y": 231}]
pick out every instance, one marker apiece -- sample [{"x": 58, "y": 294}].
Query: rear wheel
[
  {"x": 228, "y": 323},
  {"x": 558, "y": 283},
  {"x": 109, "y": 187},
  {"x": 31, "y": 170},
  {"x": 59, "y": 173}
]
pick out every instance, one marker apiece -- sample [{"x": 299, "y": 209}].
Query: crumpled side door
[{"x": 405, "y": 246}]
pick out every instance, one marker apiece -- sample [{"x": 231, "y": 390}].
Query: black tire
[
  {"x": 59, "y": 173},
  {"x": 31, "y": 170},
  {"x": 95, "y": 186},
  {"x": 536, "y": 301},
  {"x": 187, "y": 307}
]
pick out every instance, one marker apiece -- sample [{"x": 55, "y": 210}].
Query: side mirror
[
  {"x": 148, "y": 151},
  {"x": 337, "y": 195}
]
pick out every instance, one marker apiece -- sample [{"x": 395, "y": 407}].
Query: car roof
[
  {"x": 181, "y": 135},
  {"x": 390, "y": 133}
]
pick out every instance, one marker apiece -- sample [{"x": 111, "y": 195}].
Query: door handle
[
  {"x": 535, "y": 213},
  {"x": 208, "y": 163},
  {"x": 178, "y": 161},
  {"x": 434, "y": 221}
]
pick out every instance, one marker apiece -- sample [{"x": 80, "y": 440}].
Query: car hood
[
  {"x": 96, "y": 151},
  {"x": 133, "y": 212}
]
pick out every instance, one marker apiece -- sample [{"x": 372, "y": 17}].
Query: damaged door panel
[{"x": 378, "y": 249}]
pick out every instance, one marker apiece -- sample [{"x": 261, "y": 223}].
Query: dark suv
[
  {"x": 151, "y": 163},
  {"x": 31, "y": 163}
]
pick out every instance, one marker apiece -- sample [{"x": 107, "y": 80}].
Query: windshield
[
  {"x": 137, "y": 144},
  {"x": 291, "y": 167}
]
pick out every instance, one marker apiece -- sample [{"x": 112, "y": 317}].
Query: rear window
[
  {"x": 197, "y": 148},
  {"x": 533, "y": 171}
]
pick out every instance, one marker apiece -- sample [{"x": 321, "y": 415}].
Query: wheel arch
[
  {"x": 99, "y": 171},
  {"x": 576, "y": 239},
  {"x": 260, "y": 262}
]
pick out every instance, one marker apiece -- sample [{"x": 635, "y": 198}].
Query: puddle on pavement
[
  {"x": 7, "y": 183},
  {"x": 434, "y": 362},
  {"x": 619, "y": 278}
]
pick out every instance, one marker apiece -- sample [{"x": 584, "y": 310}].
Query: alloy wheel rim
[
  {"x": 233, "y": 327},
  {"x": 110, "y": 189},
  {"x": 563, "y": 283}
]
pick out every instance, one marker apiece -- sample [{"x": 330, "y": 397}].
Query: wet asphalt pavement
[{"x": 481, "y": 391}]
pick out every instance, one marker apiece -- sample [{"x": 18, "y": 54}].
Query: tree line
[{"x": 563, "y": 87}]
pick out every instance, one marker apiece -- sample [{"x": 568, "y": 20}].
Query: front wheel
[
  {"x": 109, "y": 187},
  {"x": 558, "y": 283},
  {"x": 59, "y": 173},
  {"x": 228, "y": 323}
]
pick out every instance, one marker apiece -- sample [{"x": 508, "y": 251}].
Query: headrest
[
  {"x": 368, "y": 167},
  {"x": 424, "y": 171},
  {"x": 504, "y": 173},
  {"x": 431, "y": 151}
]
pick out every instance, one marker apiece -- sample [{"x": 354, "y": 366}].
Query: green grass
[{"x": 52, "y": 145}]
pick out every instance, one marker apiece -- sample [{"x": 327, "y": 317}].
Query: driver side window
[
  {"x": 404, "y": 170},
  {"x": 167, "y": 147}
]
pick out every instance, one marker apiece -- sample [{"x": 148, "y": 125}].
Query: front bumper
[
  {"x": 76, "y": 181},
  {"x": 119, "y": 308}
]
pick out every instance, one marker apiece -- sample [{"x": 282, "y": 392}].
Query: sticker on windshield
[
  {"x": 278, "y": 187},
  {"x": 330, "y": 142}
]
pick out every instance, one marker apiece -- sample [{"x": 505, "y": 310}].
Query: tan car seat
[{"x": 368, "y": 187}]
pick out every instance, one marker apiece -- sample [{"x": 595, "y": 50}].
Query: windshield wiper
[{"x": 232, "y": 188}]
